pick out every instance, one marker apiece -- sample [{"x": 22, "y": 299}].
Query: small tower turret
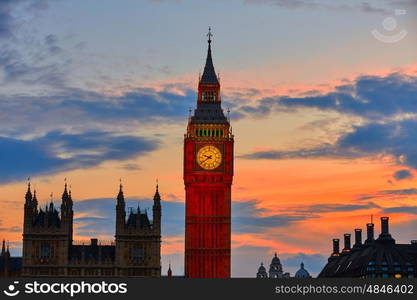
[
  {"x": 157, "y": 210},
  {"x": 120, "y": 210},
  {"x": 28, "y": 209},
  {"x": 3, "y": 248}
]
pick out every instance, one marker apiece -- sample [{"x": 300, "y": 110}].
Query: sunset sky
[{"x": 324, "y": 116}]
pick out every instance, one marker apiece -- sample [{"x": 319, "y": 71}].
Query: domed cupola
[
  {"x": 302, "y": 273},
  {"x": 275, "y": 268},
  {"x": 261, "y": 272}
]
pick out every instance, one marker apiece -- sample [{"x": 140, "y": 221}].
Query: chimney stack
[
  {"x": 385, "y": 235},
  {"x": 384, "y": 225},
  {"x": 335, "y": 247},
  {"x": 358, "y": 237},
  {"x": 347, "y": 243},
  {"x": 370, "y": 233}
]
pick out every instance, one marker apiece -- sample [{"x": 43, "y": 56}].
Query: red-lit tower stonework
[{"x": 208, "y": 176}]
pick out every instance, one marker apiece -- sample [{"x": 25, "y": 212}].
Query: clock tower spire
[{"x": 208, "y": 176}]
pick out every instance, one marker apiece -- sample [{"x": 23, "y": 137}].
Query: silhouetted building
[
  {"x": 302, "y": 273},
  {"x": 275, "y": 270},
  {"x": 9, "y": 266},
  {"x": 48, "y": 248},
  {"x": 208, "y": 177},
  {"x": 262, "y": 272},
  {"x": 375, "y": 258}
]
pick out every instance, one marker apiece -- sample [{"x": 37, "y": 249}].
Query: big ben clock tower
[{"x": 208, "y": 175}]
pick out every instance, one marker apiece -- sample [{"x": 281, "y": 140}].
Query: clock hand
[{"x": 208, "y": 157}]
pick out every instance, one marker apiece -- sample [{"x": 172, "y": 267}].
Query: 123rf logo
[{"x": 71, "y": 289}]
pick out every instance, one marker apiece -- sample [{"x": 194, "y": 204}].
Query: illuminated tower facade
[{"x": 208, "y": 176}]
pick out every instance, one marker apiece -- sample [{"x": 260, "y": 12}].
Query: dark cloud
[
  {"x": 322, "y": 151},
  {"x": 388, "y": 193},
  {"x": 324, "y": 208},
  {"x": 366, "y": 197},
  {"x": 403, "y": 174},
  {"x": 81, "y": 109},
  {"x": 57, "y": 152},
  {"x": 397, "y": 139},
  {"x": 402, "y": 209},
  {"x": 371, "y": 97},
  {"x": 411, "y": 191},
  {"x": 247, "y": 217}
]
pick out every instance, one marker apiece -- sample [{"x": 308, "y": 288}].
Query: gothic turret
[
  {"x": 34, "y": 203},
  {"x": 28, "y": 210},
  {"x": 120, "y": 210},
  {"x": 157, "y": 210},
  {"x": 28, "y": 196},
  {"x": 66, "y": 199},
  {"x": 67, "y": 213}
]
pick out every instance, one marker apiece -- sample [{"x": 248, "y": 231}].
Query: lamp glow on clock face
[{"x": 209, "y": 157}]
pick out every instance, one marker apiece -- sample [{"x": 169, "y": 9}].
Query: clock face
[{"x": 209, "y": 157}]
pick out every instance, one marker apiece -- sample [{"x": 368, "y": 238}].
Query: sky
[{"x": 323, "y": 101}]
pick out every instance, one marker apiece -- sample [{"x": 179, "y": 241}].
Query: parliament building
[{"x": 49, "y": 250}]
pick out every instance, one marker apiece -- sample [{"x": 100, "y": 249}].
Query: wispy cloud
[
  {"x": 370, "y": 97},
  {"x": 8, "y": 19},
  {"x": 410, "y": 191},
  {"x": 248, "y": 217},
  {"x": 386, "y": 105},
  {"x": 325, "y": 208},
  {"x": 57, "y": 152},
  {"x": 365, "y": 7}
]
